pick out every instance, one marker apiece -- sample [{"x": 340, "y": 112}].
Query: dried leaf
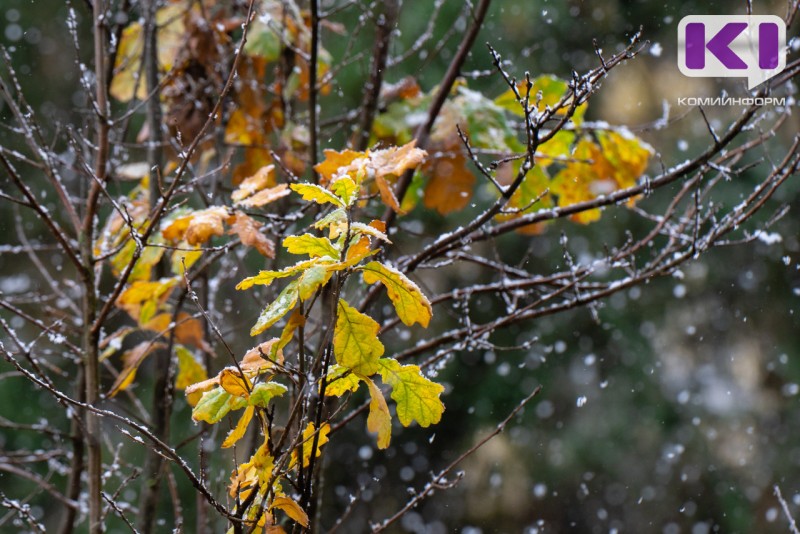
[
  {"x": 248, "y": 231},
  {"x": 264, "y": 177}
]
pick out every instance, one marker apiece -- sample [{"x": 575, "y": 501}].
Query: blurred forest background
[{"x": 676, "y": 412}]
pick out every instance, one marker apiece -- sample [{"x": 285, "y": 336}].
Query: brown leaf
[{"x": 248, "y": 231}]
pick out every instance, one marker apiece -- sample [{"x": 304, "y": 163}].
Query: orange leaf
[
  {"x": 334, "y": 161},
  {"x": 450, "y": 186},
  {"x": 198, "y": 227},
  {"x": 264, "y": 177},
  {"x": 387, "y": 195},
  {"x": 265, "y": 196},
  {"x": 232, "y": 382}
]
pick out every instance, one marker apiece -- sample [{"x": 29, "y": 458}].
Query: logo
[{"x": 732, "y": 46}]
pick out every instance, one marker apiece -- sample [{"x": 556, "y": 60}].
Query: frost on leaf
[{"x": 277, "y": 309}]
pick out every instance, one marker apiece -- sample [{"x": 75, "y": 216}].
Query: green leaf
[
  {"x": 315, "y": 193},
  {"x": 312, "y": 245},
  {"x": 355, "y": 340},
  {"x": 279, "y": 307},
  {"x": 379, "y": 419},
  {"x": 409, "y": 302},
  {"x": 264, "y": 392},
  {"x": 263, "y": 42},
  {"x": 417, "y": 397},
  {"x": 216, "y": 404},
  {"x": 340, "y": 381}
]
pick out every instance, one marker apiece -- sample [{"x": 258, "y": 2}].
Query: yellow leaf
[
  {"x": 312, "y": 245},
  {"x": 254, "y": 361},
  {"x": 417, "y": 397},
  {"x": 241, "y": 427},
  {"x": 315, "y": 193},
  {"x": 291, "y": 508},
  {"x": 345, "y": 188},
  {"x": 359, "y": 250},
  {"x": 131, "y": 360},
  {"x": 260, "y": 180},
  {"x": 308, "y": 443},
  {"x": 234, "y": 383},
  {"x": 265, "y": 278},
  {"x": 129, "y": 81},
  {"x": 409, "y": 302},
  {"x": 142, "y": 299},
  {"x": 248, "y": 231},
  {"x": 296, "y": 320},
  {"x": 265, "y": 196},
  {"x": 340, "y": 381},
  {"x": 379, "y": 419},
  {"x": 252, "y": 365},
  {"x": 248, "y": 474},
  {"x": 335, "y": 221},
  {"x": 182, "y": 258},
  {"x": 190, "y": 371},
  {"x": 355, "y": 340}
]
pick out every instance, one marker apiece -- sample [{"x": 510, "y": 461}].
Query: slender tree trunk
[
  {"x": 91, "y": 334},
  {"x": 162, "y": 404}
]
